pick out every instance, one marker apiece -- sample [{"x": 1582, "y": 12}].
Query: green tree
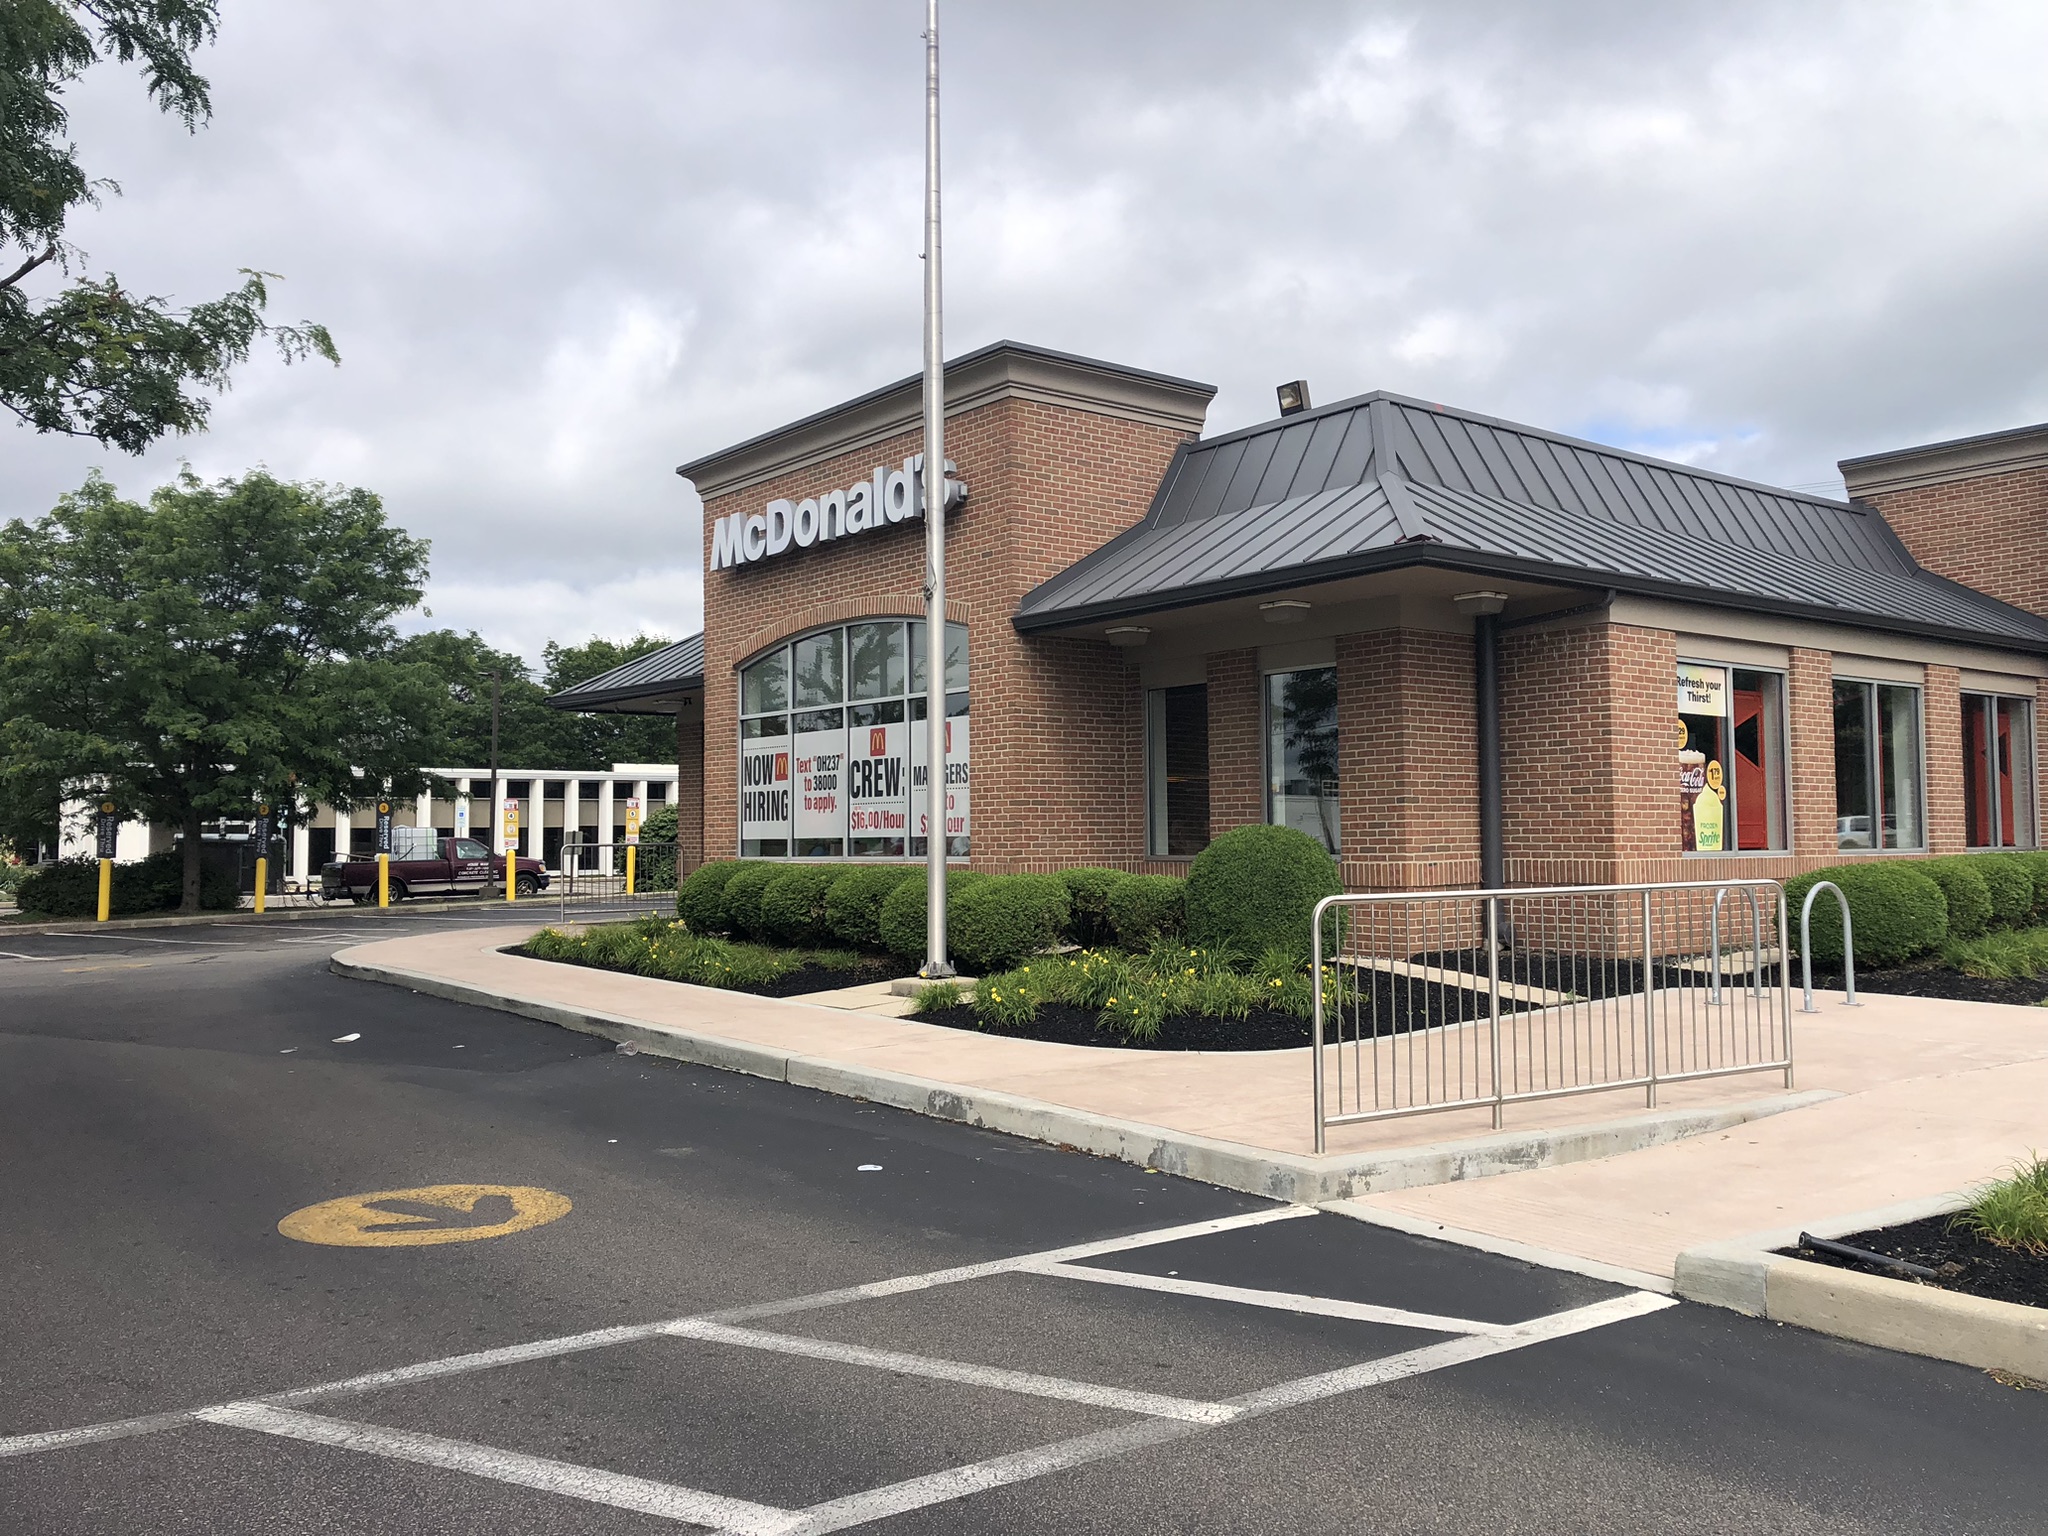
[
  {"x": 221, "y": 646},
  {"x": 598, "y": 741},
  {"x": 96, "y": 359},
  {"x": 530, "y": 733}
]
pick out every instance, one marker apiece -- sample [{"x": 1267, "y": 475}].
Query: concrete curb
[
  {"x": 1232, "y": 1165},
  {"x": 1746, "y": 1275}
]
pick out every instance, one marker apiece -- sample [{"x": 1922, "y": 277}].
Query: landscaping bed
[
  {"x": 1961, "y": 1260},
  {"x": 1996, "y": 1248},
  {"x": 1936, "y": 981},
  {"x": 666, "y": 951},
  {"x": 1263, "y": 1029}
]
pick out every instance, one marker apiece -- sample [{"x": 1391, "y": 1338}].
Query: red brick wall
[
  {"x": 1990, "y": 533},
  {"x": 1942, "y": 705},
  {"x": 690, "y": 791},
  {"x": 1237, "y": 771},
  {"x": 1589, "y": 781},
  {"x": 1810, "y": 687},
  {"x": 1058, "y": 724},
  {"x": 1409, "y": 774}
]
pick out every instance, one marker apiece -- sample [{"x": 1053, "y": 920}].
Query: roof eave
[{"x": 1444, "y": 557}]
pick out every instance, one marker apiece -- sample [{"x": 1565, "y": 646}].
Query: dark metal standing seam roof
[
  {"x": 1384, "y": 482},
  {"x": 673, "y": 669}
]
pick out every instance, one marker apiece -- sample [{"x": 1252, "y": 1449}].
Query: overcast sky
[{"x": 564, "y": 249}]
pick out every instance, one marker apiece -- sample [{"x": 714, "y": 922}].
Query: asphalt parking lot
[{"x": 724, "y": 1303}]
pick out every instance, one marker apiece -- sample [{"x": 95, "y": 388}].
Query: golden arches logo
[{"x": 355, "y": 1221}]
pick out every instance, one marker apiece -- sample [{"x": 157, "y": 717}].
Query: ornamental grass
[
  {"x": 2013, "y": 1211},
  {"x": 655, "y": 947}
]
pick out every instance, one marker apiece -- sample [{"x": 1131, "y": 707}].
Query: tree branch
[{"x": 49, "y": 254}]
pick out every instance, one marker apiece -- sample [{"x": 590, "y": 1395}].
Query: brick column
[
  {"x": 1237, "y": 773},
  {"x": 1409, "y": 754},
  {"x": 1810, "y": 681},
  {"x": 689, "y": 791},
  {"x": 1946, "y": 830}
]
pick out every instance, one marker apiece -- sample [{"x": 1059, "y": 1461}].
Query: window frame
[
  {"x": 904, "y": 700},
  {"x": 1789, "y": 834},
  {"x": 1157, "y": 818},
  {"x": 1989, "y": 788},
  {"x": 1874, "y": 782},
  {"x": 1266, "y": 794}
]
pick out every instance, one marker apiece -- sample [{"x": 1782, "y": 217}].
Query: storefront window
[
  {"x": 1877, "y": 766},
  {"x": 1177, "y": 770},
  {"x": 1301, "y": 752},
  {"x": 1731, "y": 759},
  {"x": 832, "y": 760},
  {"x": 1998, "y": 772}
]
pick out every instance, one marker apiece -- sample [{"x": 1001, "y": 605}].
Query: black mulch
[
  {"x": 805, "y": 978},
  {"x": 1934, "y": 981},
  {"x": 1962, "y": 1260},
  {"x": 816, "y": 978},
  {"x": 1265, "y": 1029}
]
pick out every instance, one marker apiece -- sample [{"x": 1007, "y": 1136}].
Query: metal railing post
[
  {"x": 1316, "y": 1032},
  {"x": 1493, "y": 1003},
  {"x": 1785, "y": 978},
  {"x": 1806, "y": 949},
  {"x": 1649, "y": 1007}
]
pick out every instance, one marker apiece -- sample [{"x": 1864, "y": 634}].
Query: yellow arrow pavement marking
[{"x": 353, "y": 1221}]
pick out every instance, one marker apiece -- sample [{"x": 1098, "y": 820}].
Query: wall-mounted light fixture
[
  {"x": 1284, "y": 610},
  {"x": 1293, "y": 397},
  {"x": 1127, "y": 634},
  {"x": 1474, "y": 605}
]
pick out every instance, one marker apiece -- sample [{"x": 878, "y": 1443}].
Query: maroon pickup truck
[{"x": 453, "y": 866}]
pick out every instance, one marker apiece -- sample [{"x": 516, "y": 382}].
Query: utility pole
[
  {"x": 935, "y": 841},
  {"x": 493, "y": 844}
]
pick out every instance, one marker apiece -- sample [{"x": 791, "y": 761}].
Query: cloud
[{"x": 561, "y": 259}]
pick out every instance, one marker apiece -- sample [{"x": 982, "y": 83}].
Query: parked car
[{"x": 447, "y": 866}]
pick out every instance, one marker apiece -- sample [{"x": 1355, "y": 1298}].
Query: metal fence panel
[
  {"x": 591, "y": 884},
  {"x": 1458, "y": 999}
]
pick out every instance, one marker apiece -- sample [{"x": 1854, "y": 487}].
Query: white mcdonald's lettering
[{"x": 893, "y": 496}]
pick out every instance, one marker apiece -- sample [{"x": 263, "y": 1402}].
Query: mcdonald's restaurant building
[{"x": 1449, "y": 647}]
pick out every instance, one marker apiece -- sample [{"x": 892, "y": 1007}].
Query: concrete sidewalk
[{"x": 1900, "y": 1099}]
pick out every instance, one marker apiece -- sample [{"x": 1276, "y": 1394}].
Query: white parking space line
[
  {"x": 875, "y": 1290},
  {"x": 1125, "y": 1400},
  {"x": 136, "y": 938},
  {"x": 1022, "y": 1466},
  {"x": 1278, "y": 1301},
  {"x": 591, "y": 1484}
]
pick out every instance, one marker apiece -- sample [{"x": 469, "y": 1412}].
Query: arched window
[{"x": 830, "y": 765}]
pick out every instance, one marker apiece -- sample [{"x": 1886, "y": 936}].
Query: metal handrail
[
  {"x": 1806, "y": 947},
  {"x": 1756, "y": 944},
  {"x": 1489, "y": 901}
]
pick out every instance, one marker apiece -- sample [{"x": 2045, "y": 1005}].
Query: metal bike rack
[
  {"x": 1806, "y": 947},
  {"x": 1756, "y": 943}
]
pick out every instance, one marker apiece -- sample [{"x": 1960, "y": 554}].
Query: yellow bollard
[
  {"x": 383, "y": 879},
  {"x": 630, "y": 851},
  {"x": 511, "y": 877},
  {"x": 106, "y": 888},
  {"x": 262, "y": 879}
]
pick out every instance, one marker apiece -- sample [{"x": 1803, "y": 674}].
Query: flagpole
[{"x": 935, "y": 842}]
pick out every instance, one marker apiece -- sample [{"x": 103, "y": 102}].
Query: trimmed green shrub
[
  {"x": 71, "y": 887},
  {"x": 1143, "y": 909},
  {"x": 1004, "y": 919},
  {"x": 1963, "y": 887},
  {"x": 853, "y": 907},
  {"x": 1255, "y": 888},
  {"x": 793, "y": 904},
  {"x": 743, "y": 894},
  {"x": 2036, "y": 865},
  {"x": 701, "y": 901},
  {"x": 1899, "y": 912},
  {"x": 902, "y": 922},
  {"x": 2012, "y": 888},
  {"x": 1089, "y": 890}
]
